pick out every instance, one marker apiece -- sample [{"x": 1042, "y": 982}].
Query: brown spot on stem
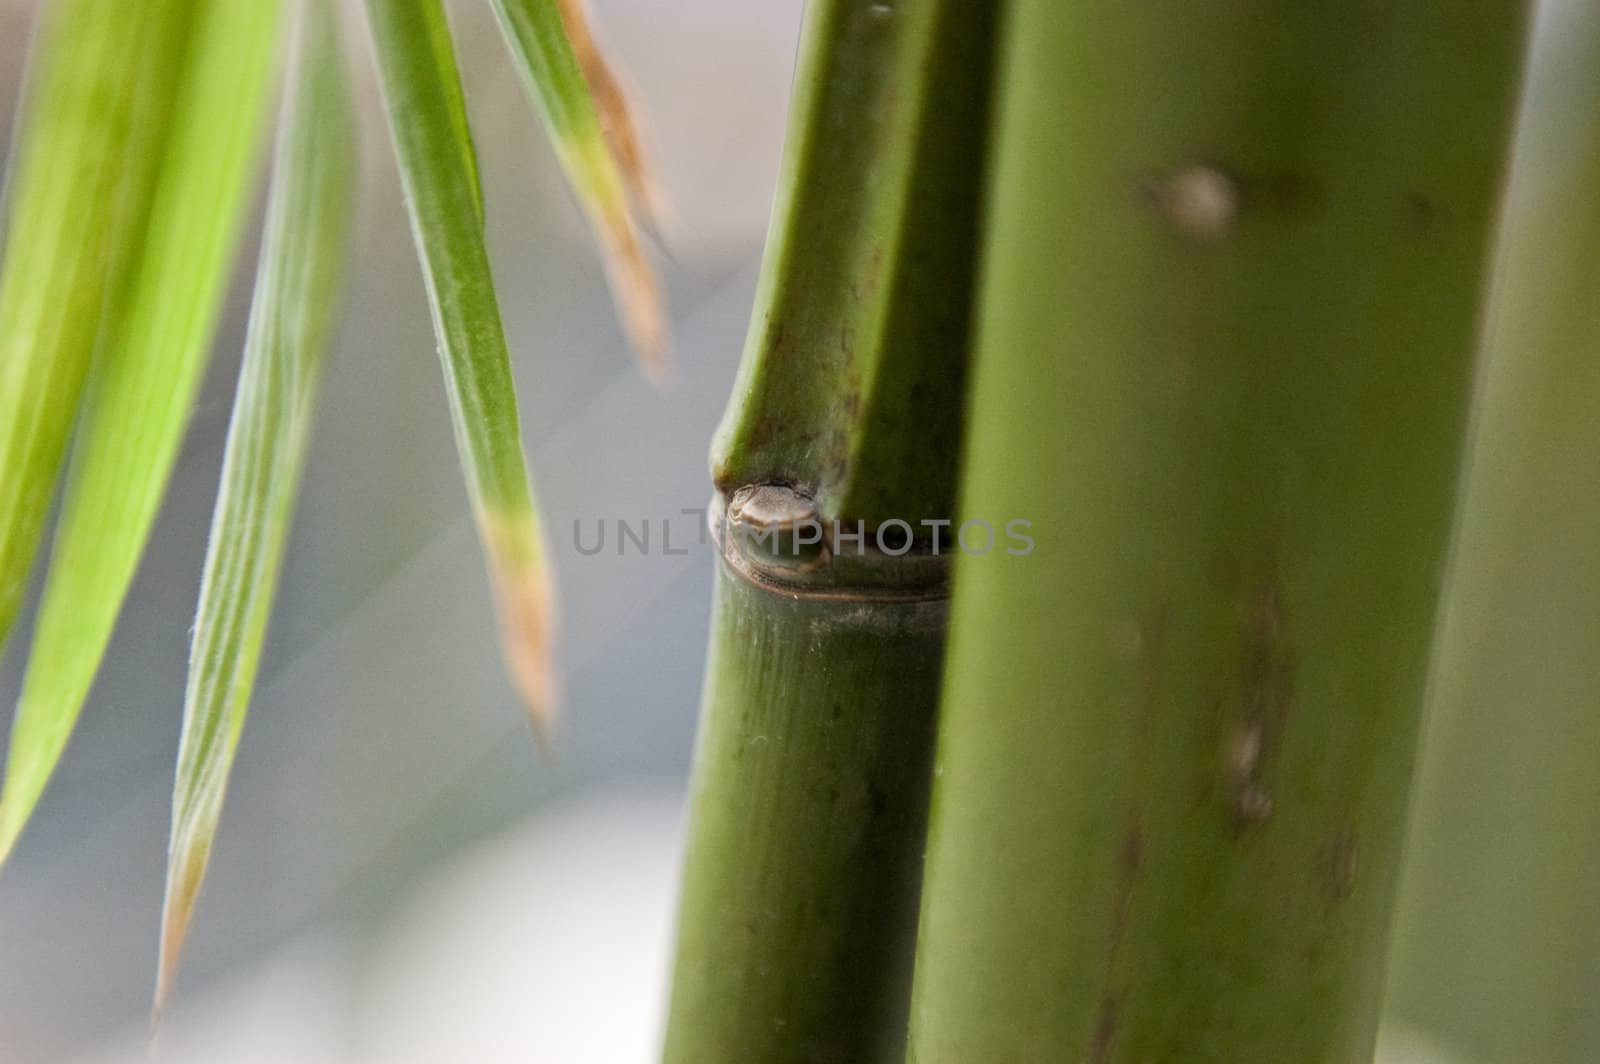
[
  {"x": 1338, "y": 866},
  {"x": 1129, "y": 860},
  {"x": 1284, "y": 192},
  {"x": 1267, "y": 700},
  {"x": 1105, "y": 1030},
  {"x": 1422, "y": 214}
]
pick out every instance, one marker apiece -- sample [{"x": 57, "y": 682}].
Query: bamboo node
[{"x": 773, "y": 536}]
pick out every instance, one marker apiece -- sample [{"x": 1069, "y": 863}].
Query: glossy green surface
[
  {"x": 800, "y": 882},
  {"x": 853, "y": 371},
  {"x": 1234, "y": 271}
]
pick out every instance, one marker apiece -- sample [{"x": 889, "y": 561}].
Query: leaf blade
[
  {"x": 81, "y": 186},
  {"x": 586, "y": 115},
  {"x": 139, "y": 397},
  {"x": 420, "y": 83},
  {"x": 296, "y": 295}
]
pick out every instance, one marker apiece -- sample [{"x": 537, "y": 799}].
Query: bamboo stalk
[
  {"x": 800, "y": 884},
  {"x": 798, "y": 903},
  {"x": 1496, "y": 930},
  {"x": 1233, "y": 273}
]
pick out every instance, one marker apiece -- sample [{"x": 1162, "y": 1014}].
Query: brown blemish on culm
[
  {"x": 1130, "y": 858},
  {"x": 1105, "y": 1030},
  {"x": 1252, "y": 803},
  {"x": 1268, "y": 698},
  {"x": 1284, "y": 192},
  {"x": 1148, "y": 644},
  {"x": 1422, "y": 214},
  {"x": 1337, "y": 866}
]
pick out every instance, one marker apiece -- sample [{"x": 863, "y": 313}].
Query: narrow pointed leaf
[
  {"x": 586, "y": 114},
  {"x": 297, "y": 282},
  {"x": 421, "y": 88},
  {"x": 611, "y": 107},
  {"x": 140, "y": 394},
  {"x": 97, "y": 100}
]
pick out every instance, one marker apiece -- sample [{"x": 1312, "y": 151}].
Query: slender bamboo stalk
[
  {"x": 800, "y": 887},
  {"x": 799, "y": 895},
  {"x": 1496, "y": 930},
  {"x": 1233, "y": 273}
]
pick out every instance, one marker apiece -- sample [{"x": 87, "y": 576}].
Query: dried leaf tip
[
  {"x": 620, "y": 219},
  {"x": 614, "y": 114},
  {"x": 586, "y": 114},
  {"x": 176, "y": 910},
  {"x": 525, "y": 610},
  {"x": 637, "y": 295}
]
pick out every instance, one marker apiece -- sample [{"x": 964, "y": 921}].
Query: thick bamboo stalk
[
  {"x": 798, "y": 905},
  {"x": 1233, "y": 274},
  {"x": 1496, "y": 931}
]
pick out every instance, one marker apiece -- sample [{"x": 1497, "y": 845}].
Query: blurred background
[{"x": 400, "y": 877}]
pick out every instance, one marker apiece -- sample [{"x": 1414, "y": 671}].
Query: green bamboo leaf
[
  {"x": 95, "y": 114},
  {"x": 139, "y": 397},
  {"x": 586, "y": 114},
  {"x": 421, "y": 88},
  {"x": 297, "y": 283}
]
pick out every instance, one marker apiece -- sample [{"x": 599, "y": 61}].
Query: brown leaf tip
[{"x": 523, "y": 601}]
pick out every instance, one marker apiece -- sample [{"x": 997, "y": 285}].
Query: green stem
[
  {"x": 852, "y": 375},
  {"x": 810, "y": 782},
  {"x": 1234, "y": 264},
  {"x": 809, "y": 806}
]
